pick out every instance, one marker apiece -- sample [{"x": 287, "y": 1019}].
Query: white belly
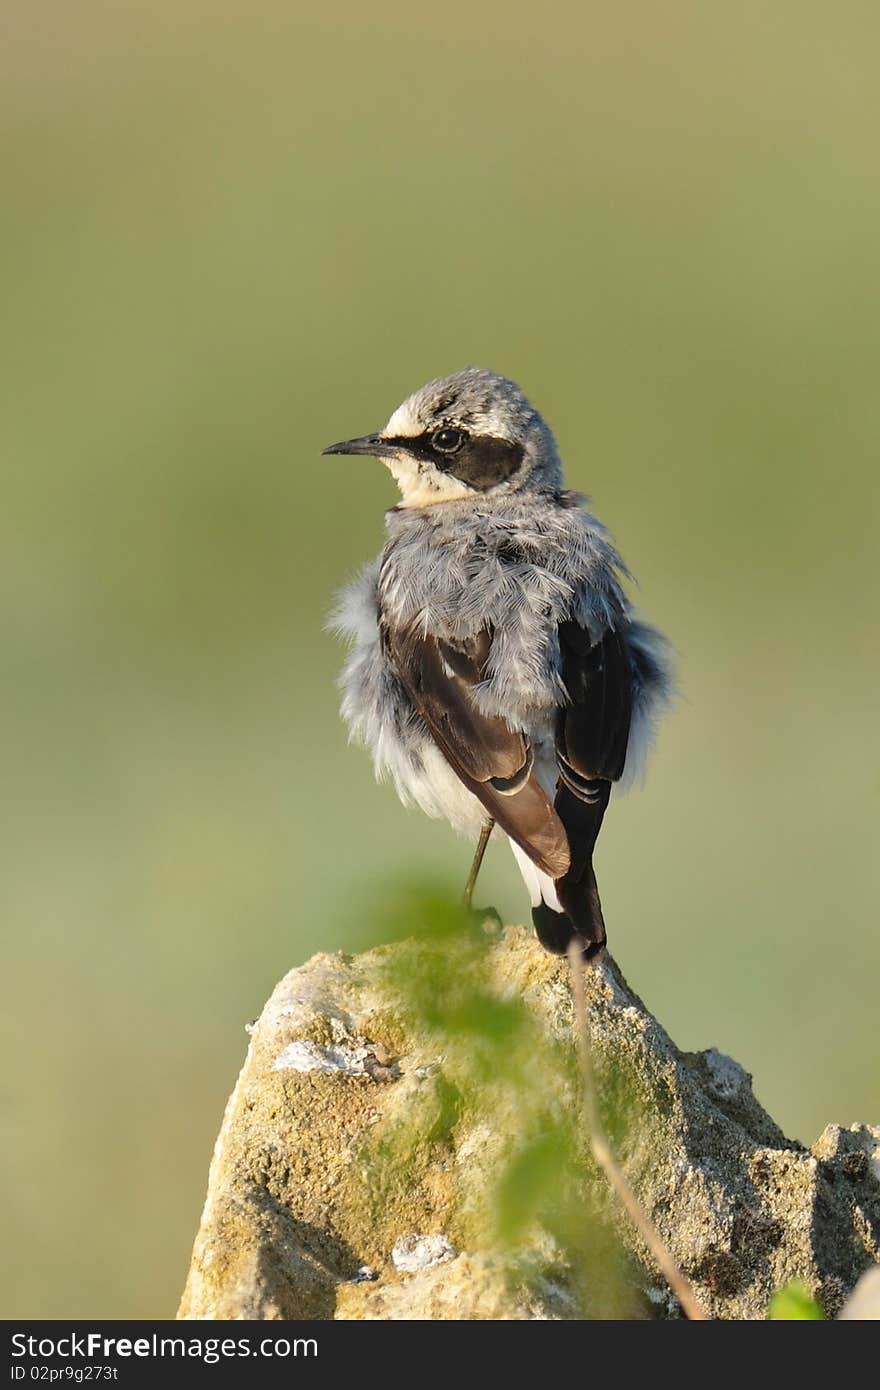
[{"x": 437, "y": 791}]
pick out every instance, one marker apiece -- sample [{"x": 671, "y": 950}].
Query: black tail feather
[
  {"x": 555, "y": 930},
  {"x": 578, "y": 893}
]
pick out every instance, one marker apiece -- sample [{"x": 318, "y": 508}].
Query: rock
[
  {"x": 469, "y": 1288},
  {"x": 412, "y": 1253},
  {"x": 380, "y": 1158}
]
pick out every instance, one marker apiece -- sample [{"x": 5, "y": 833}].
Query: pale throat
[{"x": 424, "y": 487}]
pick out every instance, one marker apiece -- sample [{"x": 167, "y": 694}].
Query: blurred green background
[{"x": 236, "y": 232}]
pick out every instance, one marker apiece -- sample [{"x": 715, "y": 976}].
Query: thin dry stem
[
  {"x": 601, "y": 1150},
  {"x": 483, "y": 841}
]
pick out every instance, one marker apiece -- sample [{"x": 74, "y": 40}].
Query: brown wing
[{"x": 491, "y": 759}]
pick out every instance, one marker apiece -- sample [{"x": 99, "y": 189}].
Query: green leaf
[
  {"x": 795, "y": 1303},
  {"x": 531, "y": 1181}
]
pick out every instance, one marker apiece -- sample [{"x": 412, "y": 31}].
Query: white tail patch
[{"x": 540, "y": 886}]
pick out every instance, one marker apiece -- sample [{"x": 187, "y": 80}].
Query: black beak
[{"x": 371, "y": 444}]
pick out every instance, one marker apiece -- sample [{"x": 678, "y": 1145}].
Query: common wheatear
[{"x": 498, "y": 674}]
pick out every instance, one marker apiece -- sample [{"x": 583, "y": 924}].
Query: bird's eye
[{"x": 447, "y": 440}]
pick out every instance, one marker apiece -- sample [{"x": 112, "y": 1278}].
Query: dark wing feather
[
  {"x": 592, "y": 732},
  {"x": 593, "y": 728},
  {"x": 491, "y": 759}
]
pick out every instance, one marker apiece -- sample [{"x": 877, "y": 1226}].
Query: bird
[{"x": 497, "y": 672}]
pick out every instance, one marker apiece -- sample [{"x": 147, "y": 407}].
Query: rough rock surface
[{"x": 353, "y": 1174}]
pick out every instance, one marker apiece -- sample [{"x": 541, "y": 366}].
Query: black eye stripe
[
  {"x": 485, "y": 461},
  {"x": 482, "y": 462}
]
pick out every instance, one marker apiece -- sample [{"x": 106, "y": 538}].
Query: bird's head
[{"x": 467, "y": 435}]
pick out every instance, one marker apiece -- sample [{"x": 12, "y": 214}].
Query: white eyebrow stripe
[{"x": 404, "y": 423}]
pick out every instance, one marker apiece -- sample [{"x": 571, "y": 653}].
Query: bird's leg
[{"x": 488, "y": 827}]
